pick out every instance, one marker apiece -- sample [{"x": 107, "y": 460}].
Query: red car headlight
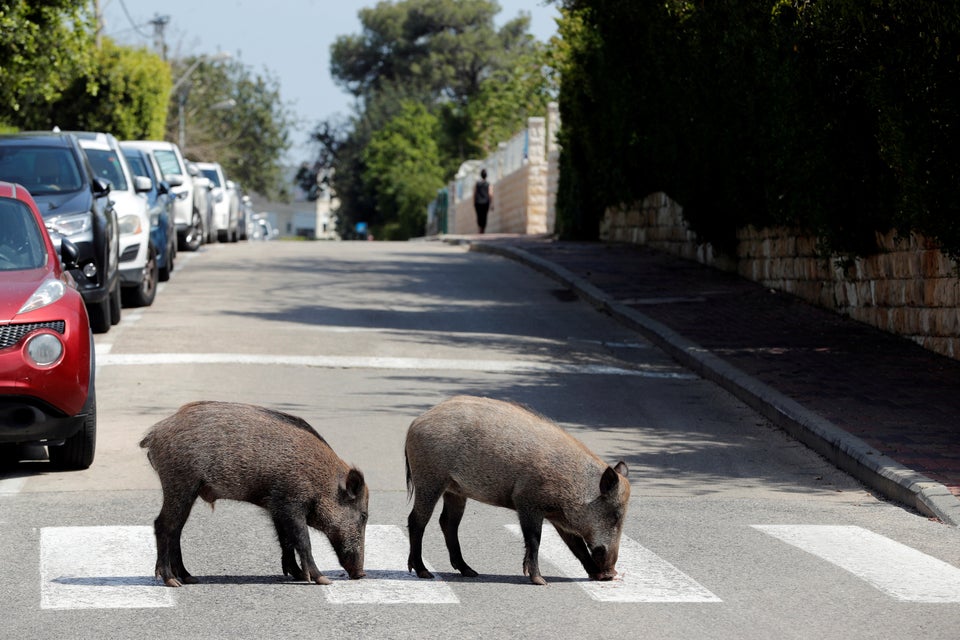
[{"x": 44, "y": 349}]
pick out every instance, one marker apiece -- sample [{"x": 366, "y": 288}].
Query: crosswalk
[{"x": 111, "y": 567}]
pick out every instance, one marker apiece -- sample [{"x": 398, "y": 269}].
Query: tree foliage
[
  {"x": 234, "y": 117},
  {"x": 46, "y": 45},
  {"x": 837, "y": 116},
  {"x": 125, "y": 93},
  {"x": 476, "y": 81}
]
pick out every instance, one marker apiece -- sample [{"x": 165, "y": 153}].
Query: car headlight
[
  {"x": 71, "y": 225},
  {"x": 47, "y": 293},
  {"x": 130, "y": 224},
  {"x": 44, "y": 349}
]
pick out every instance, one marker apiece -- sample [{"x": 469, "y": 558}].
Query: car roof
[{"x": 42, "y": 138}]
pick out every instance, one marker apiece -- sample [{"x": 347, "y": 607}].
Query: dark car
[
  {"x": 47, "y": 353},
  {"x": 160, "y": 198},
  {"x": 53, "y": 168}
]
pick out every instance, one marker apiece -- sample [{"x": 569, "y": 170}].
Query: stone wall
[
  {"x": 523, "y": 194},
  {"x": 909, "y": 288}
]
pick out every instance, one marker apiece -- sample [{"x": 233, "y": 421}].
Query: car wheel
[
  {"x": 78, "y": 450},
  {"x": 100, "y": 315},
  {"x": 143, "y": 294},
  {"x": 163, "y": 273},
  {"x": 221, "y": 236},
  {"x": 116, "y": 304},
  {"x": 193, "y": 237}
]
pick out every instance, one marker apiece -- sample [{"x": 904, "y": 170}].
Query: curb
[{"x": 849, "y": 453}]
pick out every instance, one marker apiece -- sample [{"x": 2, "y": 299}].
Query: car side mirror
[
  {"x": 142, "y": 184},
  {"x": 69, "y": 254},
  {"x": 100, "y": 187},
  {"x": 174, "y": 180}
]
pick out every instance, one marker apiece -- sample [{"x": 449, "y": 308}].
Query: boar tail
[{"x": 406, "y": 463}]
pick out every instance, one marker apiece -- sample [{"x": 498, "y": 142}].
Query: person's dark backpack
[{"x": 481, "y": 194}]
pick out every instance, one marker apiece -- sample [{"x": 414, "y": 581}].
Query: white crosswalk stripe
[
  {"x": 111, "y": 567},
  {"x": 895, "y": 569},
  {"x": 385, "y": 563},
  {"x": 643, "y": 575},
  {"x": 99, "y": 568}
]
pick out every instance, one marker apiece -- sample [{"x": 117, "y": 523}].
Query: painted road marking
[
  {"x": 643, "y": 575},
  {"x": 100, "y": 568},
  {"x": 360, "y": 362},
  {"x": 387, "y": 581},
  {"x": 895, "y": 569}
]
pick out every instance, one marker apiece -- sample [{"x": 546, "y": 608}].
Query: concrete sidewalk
[{"x": 878, "y": 406}]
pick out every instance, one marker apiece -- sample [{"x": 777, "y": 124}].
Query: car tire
[
  {"x": 144, "y": 293},
  {"x": 99, "y": 315},
  {"x": 116, "y": 304},
  {"x": 193, "y": 237},
  {"x": 78, "y": 450},
  {"x": 163, "y": 273}
]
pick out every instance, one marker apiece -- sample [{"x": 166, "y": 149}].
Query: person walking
[{"x": 482, "y": 199}]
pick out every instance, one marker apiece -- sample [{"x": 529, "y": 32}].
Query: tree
[
  {"x": 46, "y": 45},
  {"x": 125, "y": 94},
  {"x": 236, "y": 118},
  {"x": 402, "y": 167},
  {"x": 447, "y": 56}
]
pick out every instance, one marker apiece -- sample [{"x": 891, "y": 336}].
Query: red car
[{"x": 46, "y": 347}]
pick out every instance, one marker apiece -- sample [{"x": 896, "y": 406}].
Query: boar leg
[
  {"x": 423, "y": 504},
  {"x": 531, "y": 525},
  {"x": 293, "y": 534},
  {"x": 168, "y": 527},
  {"x": 453, "y": 508},
  {"x": 578, "y": 546}
]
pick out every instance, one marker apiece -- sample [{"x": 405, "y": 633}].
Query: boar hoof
[
  {"x": 423, "y": 573},
  {"x": 322, "y": 579},
  {"x": 538, "y": 580}
]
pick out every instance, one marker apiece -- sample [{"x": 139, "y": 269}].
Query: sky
[{"x": 289, "y": 40}]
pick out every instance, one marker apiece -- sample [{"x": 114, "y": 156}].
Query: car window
[
  {"x": 42, "y": 170},
  {"x": 213, "y": 175},
  {"x": 168, "y": 162},
  {"x": 137, "y": 165},
  {"x": 21, "y": 239},
  {"x": 106, "y": 165}
]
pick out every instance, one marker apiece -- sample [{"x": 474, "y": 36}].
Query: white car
[
  {"x": 139, "y": 272},
  {"x": 187, "y": 214},
  {"x": 226, "y": 203}
]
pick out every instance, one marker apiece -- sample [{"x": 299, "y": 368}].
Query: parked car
[
  {"x": 188, "y": 211},
  {"x": 138, "y": 254},
  {"x": 160, "y": 203},
  {"x": 75, "y": 204},
  {"x": 47, "y": 354},
  {"x": 203, "y": 201},
  {"x": 226, "y": 203}
]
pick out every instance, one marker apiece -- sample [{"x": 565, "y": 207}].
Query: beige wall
[{"x": 910, "y": 288}]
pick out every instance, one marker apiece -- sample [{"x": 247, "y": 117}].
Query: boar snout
[{"x": 605, "y": 563}]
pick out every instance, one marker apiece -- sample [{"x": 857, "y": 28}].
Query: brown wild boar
[
  {"x": 507, "y": 456},
  {"x": 265, "y": 457}
]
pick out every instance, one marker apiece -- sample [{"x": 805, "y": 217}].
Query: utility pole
[
  {"x": 98, "y": 15},
  {"x": 159, "y": 24}
]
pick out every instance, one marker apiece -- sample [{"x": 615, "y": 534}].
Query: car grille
[{"x": 10, "y": 334}]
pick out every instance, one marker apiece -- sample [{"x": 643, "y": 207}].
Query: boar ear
[
  {"x": 608, "y": 481},
  {"x": 352, "y": 485},
  {"x": 621, "y": 468}
]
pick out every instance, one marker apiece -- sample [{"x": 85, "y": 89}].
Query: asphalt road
[{"x": 733, "y": 531}]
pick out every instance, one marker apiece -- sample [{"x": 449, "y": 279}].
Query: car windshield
[
  {"x": 213, "y": 175},
  {"x": 168, "y": 162},
  {"x": 106, "y": 165},
  {"x": 21, "y": 239},
  {"x": 136, "y": 164},
  {"x": 42, "y": 170}
]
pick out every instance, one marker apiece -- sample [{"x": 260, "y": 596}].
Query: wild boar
[
  {"x": 505, "y": 455},
  {"x": 268, "y": 458}
]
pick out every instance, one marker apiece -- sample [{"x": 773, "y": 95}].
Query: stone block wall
[
  {"x": 522, "y": 196},
  {"x": 910, "y": 288}
]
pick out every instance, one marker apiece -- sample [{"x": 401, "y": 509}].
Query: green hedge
[{"x": 838, "y": 116}]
